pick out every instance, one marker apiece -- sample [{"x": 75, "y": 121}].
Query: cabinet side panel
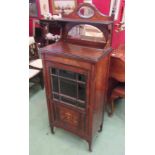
[
  {"x": 101, "y": 85},
  {"x": 47, "y": 90}
]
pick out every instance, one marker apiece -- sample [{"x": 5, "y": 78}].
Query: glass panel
[
  {"x": 81, "y": 92},
  {"x": 73, "y": 102},
  {"x": 81, "y": 77},
  {"x": 54, "y": 71},
  {"x": 87, "y": 33},
  {"x": 82, "y": 105},
  {"x": 67, "y": 74},
  {"x": 67, "y": 100},
  {"x": 55, "y": 96},
  {"x": 86, "y": 12},
  {"x": 68, "y": 87},
  {"x": 55, "y": 83},
  {"x": 70, "y": 91}
]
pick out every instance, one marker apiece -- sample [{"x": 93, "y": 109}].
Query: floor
[{"x": 111, "y": 141}]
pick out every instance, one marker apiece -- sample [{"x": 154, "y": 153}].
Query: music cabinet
[{"x": 76, "y": 70}]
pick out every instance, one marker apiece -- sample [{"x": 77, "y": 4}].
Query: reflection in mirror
[
  {"x": 86, "y": 33},
  {"x": 86, "y": 12}
]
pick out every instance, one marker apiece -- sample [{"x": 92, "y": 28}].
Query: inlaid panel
[{"x": 69, "y": 116}]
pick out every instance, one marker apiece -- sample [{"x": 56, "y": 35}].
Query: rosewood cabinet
[{"x": 76, "y": 74}]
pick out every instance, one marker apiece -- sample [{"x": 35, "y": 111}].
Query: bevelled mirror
[
  {"x": 87, "y": 33},
  {"x": 86, "y": 12}
]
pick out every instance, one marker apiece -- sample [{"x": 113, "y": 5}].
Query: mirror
[
  {"x": 87, "y": 33},
  {"x": 86, "y": 12}
]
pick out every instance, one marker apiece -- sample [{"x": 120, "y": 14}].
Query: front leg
[
  {"x": 90, "y": 145},
  {"x": 101, "y": 127},
  {"x": 52, "y": 129}
]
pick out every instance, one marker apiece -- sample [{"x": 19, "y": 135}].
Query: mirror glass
[
  {"x": 86, "y": 12},
  {"x": 87, "y": 33}
]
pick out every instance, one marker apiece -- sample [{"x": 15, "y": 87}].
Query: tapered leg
[
  {"x": 111, "y": 108},
  {"x": 90, "y": 145},
  {"x": 101, "y": 126},
  {"x": 52, "y": 129}
]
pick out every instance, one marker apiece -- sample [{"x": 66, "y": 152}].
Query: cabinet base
[
  {"x": 52, "y": 129},
  {"x": 89, "y": 142},
  {"x": 101, "y": 127}
]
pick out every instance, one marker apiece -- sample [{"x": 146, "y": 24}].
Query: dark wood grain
[
  {"x": 116, "y": 77},
  {"x": 82, "y": 58},
  {"x": 78, "y": 21},
  {"x": 76, "y": 51},
  {"x": 117, "y": 66}
]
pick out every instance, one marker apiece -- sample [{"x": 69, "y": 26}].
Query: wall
[
  {"x": 80, "y": 1},
  {"x": 102, "y": 5},
  {"x": 118, "y": 37},
  {"x": 31, "y": 19}
]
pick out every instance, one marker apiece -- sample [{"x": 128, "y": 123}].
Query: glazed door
[{"x": 69, "y": 89}]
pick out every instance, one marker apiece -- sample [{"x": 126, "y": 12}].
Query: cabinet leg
[
  {"x": 52, "y": 129},
  {"x": 90, "y": 145},
  {"x": 101, "y": 127},
  {"x": 111, "y": 109}
]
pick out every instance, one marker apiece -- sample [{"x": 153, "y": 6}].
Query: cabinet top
[
  {"x": 84, "y": 13},
  {"x": 69, "y": 50},
  {"x": 65, "y": 19}
]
